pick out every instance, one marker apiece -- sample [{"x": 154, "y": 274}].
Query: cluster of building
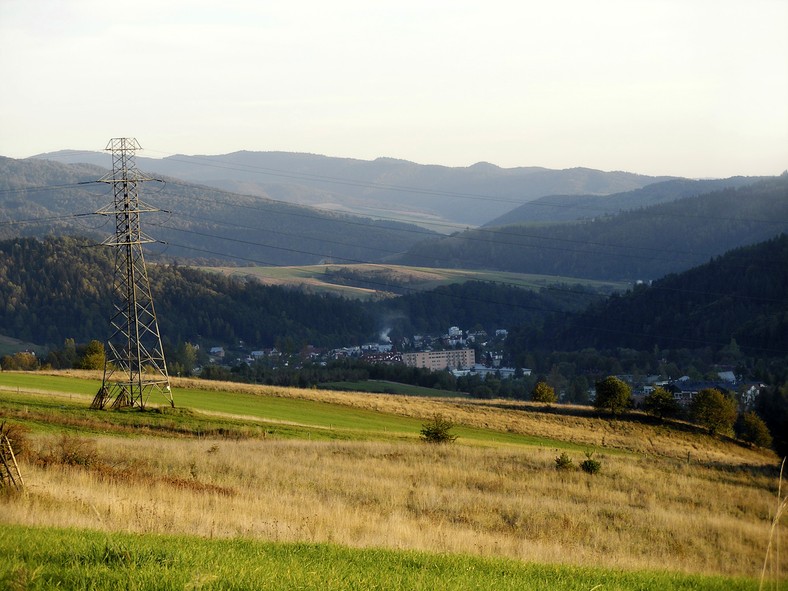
[
  {"x": 684, "y": 389},
  {"x": 456, "y": 351}
]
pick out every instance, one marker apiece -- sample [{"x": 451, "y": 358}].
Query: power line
[
  {"x": 45, "y": 187},
  {"x": 214, "y": 162},
  {"x": 45, "y": 219},
  {"x": 495, "y": 234}
]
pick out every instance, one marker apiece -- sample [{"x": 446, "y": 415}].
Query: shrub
[
  {"x": 437, "y": 430},
  {"x": 590, "y": 465},
  {"x": 17, "y": 437},
  {"x": 70, "y": 450},
  {"x": 22, "y": 361},
  {"x": 751, "y": 428},
  {"x": 543, "y": 392},
  {"x": 564, "y": 462}
]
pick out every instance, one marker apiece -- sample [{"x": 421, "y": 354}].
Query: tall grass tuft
[{"x": 773, "y": 547}]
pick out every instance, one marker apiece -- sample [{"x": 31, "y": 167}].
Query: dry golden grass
[
  {"x": 638, "y": 512},
  {"x": 577, "y": 424},
  {"x": 647, "y": 508}
]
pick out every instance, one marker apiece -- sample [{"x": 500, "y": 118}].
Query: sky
[{"x": 690, "y": 88}]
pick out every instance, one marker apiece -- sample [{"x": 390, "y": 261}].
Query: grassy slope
[
  {"x": 10, "y": 345},
  {"x": 354, "y": 418}
]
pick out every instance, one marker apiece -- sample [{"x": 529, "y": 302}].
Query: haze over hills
[
  {"x": 563, "y": 208},
  {"x": 200, "y": 223},
  {"x": 643, "y": 244},
  {"x": 385, "y": 187}
]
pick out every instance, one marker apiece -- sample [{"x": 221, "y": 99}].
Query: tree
[
  {"x": 751, "y": 428},
  {"x": 772, "y": 406},
  {"x": 713, "y": 410},
  {"x": 578, "y": 391},
  {"x": 613, "y": 394},
  {"x": 543, "y": 392},
  {"x": 184, "y": 359},
  {"x": 93, "y": 357},
  {"x": 661, "y": 403}
]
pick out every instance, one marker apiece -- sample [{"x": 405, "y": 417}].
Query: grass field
[
  {"x": 318, "y": 278},
  {"x": 386, "y": 387},
  {"x": 46, "y": 558},
  {"x": 254, "y": 487}
]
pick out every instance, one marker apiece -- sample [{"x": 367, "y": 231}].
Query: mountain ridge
[{"x": 469, "y": 195}]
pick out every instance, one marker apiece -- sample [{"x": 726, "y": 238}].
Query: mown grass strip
[
  {"x": 228, "y": 414},
  {"x": 386, "y": 387},
  {"x": 49, "y": 558}
]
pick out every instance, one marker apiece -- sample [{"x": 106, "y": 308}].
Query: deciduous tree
[
  {"x": 613, "y": 394},
  {"x": 713, "y": 410}
]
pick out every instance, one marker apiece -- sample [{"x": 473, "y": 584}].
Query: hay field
[{"x": 648, "y": 508}]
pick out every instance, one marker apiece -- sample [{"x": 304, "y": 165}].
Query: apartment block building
[{"x": 437, "y": 360}]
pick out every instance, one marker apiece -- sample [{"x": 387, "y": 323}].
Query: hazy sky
[{"x": 685, "y": 87}]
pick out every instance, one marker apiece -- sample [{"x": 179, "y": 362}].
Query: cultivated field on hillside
[
  {"x": 384, "y": 280},
  {"x": 287, "y": 465}
]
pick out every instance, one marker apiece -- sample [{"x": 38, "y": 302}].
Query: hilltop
[{"x": 384, "y": 187}]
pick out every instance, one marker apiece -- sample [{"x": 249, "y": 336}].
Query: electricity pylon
[{"x": 134, "y": 365}]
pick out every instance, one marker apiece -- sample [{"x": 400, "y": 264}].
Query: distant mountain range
[
  {"x": 641, "y": 233},
  {"x": 384, "y": 188},
  {"x": 43, "y": 197}
]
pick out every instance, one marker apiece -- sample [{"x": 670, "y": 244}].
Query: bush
[
  {"x": 70, "y": 450},
  {"x": 17, "y": 436},
  {"x": 22, "y": 361},
  {"x": 543, "y": 392},
  {"x": 751, "y": 428},
  {"x": 590, "y": 465},
  {"x": 437, "y": 430},
  {"x": 564, "y": 462}
]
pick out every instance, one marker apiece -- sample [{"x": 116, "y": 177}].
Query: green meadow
[{"x": 45, "y": 558}]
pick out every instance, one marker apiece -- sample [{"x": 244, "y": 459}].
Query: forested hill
[
  {"x": 742, "y": 295},
  {"x": 58, "y": 288},
  {"x": 564, "y": 208},
  {"x": 637, "y": 245},
  {"x": 42, "y": 198}
]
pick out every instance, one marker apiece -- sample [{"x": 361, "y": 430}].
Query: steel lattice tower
[{"x": 134, "y": 365}]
